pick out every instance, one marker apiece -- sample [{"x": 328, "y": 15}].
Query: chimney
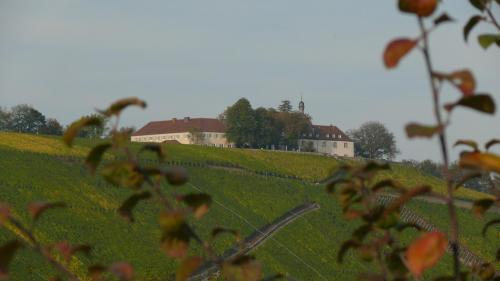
[{"x": 186, "y": 119}]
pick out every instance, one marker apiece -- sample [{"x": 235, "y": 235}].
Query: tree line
[
  {"x": 24, "y": 118},
  {"x": 278, "y": 127}
]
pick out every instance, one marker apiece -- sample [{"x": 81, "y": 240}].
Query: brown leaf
[
  {"x": 188, "y": 266},
  {"x": 122, "y": 174},
  {"x": 481, "y": 206},
  {"x": 425, "y": 252},
  {"x": 122, "y": 270},
  {"x": 36, "y": 209},
  {"x": 76, "y": 126},
  {"x": 422, "y": 8},
  {"x": 126, "y": 208},
  {"x": 405, "y": 197},
  {"x": 7, "y": 252},
  {"x": 417, "y": 130},
  {"x": 95, "y": 155},
  {"x": 464, "y": 80},
  {"x": 469, "y": 143},
  {"x": 244, "y": 268},
  {"x": 477, "y": 160},
  {"x": 491, "y": 143},
  {"x": 396, "y": 50},
  {"x": 67, "y": 250},
  {"x": 480, "y": 102},
  {"x": 199, "y": 203},
  {"x": 176, "y": 233},
  {"x": 4, "y": 213},
  {"x": 176, "y": 176},
  {"x": 118, "y": 106},
  {"x": 96, "y": 271}
]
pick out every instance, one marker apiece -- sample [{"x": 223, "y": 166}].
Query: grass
[{"x": 31, "y": 171}]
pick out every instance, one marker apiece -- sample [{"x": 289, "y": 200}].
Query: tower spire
[{"x": 301, "y": 104}]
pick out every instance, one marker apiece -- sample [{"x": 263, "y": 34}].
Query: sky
[{"x": 195, "y": 58}]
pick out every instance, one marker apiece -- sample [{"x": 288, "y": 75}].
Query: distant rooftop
[
  {"x": 325, "y": 132},
  {"x": 183, "y": 125}
]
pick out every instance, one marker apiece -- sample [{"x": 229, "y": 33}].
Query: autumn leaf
[
  {"x": 118, "y": 106},
  {"x": 422, "y": 8},
  {"x": 76, "y": 126},
  {"x": 396, "y": 50},
  {"x": 7, "y": 252},
  {"x": 4, "y": 213},
  {"x": 187, "y": 267},
  {"x": 199, "y": 203},
  {"x": 36, "y": 209},
  {"x": 122, "y": 270},
  {"x": 480, "y": 102},
  {"x": 414, "y": 130},
  {"x": 176, "y": 233},
  {"x": 244, "y": 268},
  {"x": 469, "y": 143},
  {"x": 484, "y": 161},
  {"x": 479, "y": 207},
  {"x": 95, "y": 155},
  {"x": 425, "y": 252}
]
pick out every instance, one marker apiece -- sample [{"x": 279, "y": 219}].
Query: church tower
[{"x": 301, "y": 105}]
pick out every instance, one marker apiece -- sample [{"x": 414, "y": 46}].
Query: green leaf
[
  {"x": 95, "y": 155},
  {"x": 491, "y": 143},
  {"x": 469, "y": 143},
  {"x": 481, "y": 206},
  {"x": 488, "y": 225},
  {"x": 117, "y": 107},
  {"x": 36, "y": 209},
  {"x": 417, "y": 130},
  {"x": 478, "y": 4},
  {"x": 473, "y": 21},
  {"x": 442, "y": 19},
  {"x": 480, "y": 102},
  {"x": 126, "y": 208},
  {"x": 345, "y": 247},
  {"x": 7, "y": 252},
  {"x": 485, "y": 40},
  {"x": 122, "y": 174},
  {"x": 76, "y": 126}
]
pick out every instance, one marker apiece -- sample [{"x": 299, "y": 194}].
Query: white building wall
[
  {"x": 208, "y": 138},
  {"x": 331, "y": 147}
]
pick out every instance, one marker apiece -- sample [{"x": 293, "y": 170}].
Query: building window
[
  {"x": 327, "y": 135},
  {"x": 346, "y": 144},
  {"x": 334, "y": 144}
]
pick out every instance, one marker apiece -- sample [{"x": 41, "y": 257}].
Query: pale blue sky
[{"x": 194, "y": 58}]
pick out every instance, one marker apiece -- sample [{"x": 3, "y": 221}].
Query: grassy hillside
[{"x": 30, "y": 169}]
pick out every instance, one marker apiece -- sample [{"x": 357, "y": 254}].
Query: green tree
[
  {"x": 285, "y": 106},
  {"x": 294, "y": 124},
  {"x": 240, "y": 123},
  {"x": 52, "y": 127},
  {"x": 269, "y": 128},
  {"x": 5, "y": 119},
  {"x": 196, "y": 136},
  {"x": 26, "y": 119},
  {"x": 374, "y": 141}
]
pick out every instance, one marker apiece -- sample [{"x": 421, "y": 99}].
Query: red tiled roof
[
  {"x": 181, "y": 126},
  {"x": 321, "y": 132}
]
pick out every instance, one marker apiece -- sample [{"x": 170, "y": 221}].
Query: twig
[{"x": 444, "y": 151}]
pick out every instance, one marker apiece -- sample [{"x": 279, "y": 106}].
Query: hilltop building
[
  {"x": 204, "y": 131},
  {"x": 210, "y": 131},
  {"x": 325, "y": 139}
]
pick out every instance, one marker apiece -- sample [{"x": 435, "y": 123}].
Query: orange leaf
[
  {"x": 188, "y": 266},
  {"x": 425, "y": 252},
  {"x": 396, "y": 50},
  {"x": 485, "y": 161},
  {"x": 123, "y": 271},
  {"x": 421, "y": 8},
  {"x": 464, "y": 80}
]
